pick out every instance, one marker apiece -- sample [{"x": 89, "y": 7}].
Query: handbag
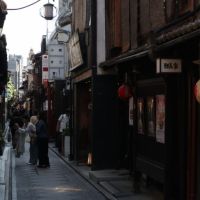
[{"x": 28, "y": 139}]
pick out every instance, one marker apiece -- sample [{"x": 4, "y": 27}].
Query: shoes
[
  {"x": 29, "y": 163},
  {"x": 43, "y": 166}
]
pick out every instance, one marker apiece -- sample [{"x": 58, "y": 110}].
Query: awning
[{"x": 131, "y": 55}]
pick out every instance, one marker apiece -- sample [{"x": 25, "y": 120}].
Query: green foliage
[{"x": 10, "y": 89}]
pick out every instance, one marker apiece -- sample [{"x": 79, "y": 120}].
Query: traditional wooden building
[
  {"x": 80, "y": 55},
  {"x": 134, "y": 66},
  {"x": 152, "y": 47}
]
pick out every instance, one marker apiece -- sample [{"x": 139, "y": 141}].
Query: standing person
[
  {"x": 42, "y": 141},
  {"x": 31, "y": 131},
  {"x": 62, "y": 124},
  {"x": 20, "y": 135}
]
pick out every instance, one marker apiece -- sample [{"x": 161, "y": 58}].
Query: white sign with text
[{"x": 168, "y": 65}]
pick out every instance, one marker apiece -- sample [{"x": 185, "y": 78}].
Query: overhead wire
[{"x": 24, "y": 6}]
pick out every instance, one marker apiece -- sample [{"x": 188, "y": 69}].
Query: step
[
  {"x": 116, "y": 191},
  {"x": 108, "y": 175}
]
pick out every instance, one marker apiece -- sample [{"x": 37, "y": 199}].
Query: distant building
[{"x": 15, "y": 65}]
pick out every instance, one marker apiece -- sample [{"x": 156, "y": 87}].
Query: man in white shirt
[
  {"x": 63, "y": 121},
  {"x": 62, "y": 124}
]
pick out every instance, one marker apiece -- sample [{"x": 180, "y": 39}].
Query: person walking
[
  {"x": 42, "y": 141},
  {"x": 31, "y": 131}
]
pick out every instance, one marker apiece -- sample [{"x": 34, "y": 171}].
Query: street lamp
[{"x": 48, "y": 11}]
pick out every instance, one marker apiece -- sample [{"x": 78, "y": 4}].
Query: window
[{"x": 151, "y": 117}]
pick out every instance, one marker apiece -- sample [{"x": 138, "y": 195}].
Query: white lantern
[{"x": 48, "y": 11}]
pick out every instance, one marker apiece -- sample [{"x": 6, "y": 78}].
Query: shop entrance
[
  {"x": 83, "y": 121},
  {"x": 150, "y": 129}
]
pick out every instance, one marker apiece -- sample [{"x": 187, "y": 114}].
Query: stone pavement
[
  {"x": 64, "y": 179},
  {"x": 58, "y": 182},
  {"x": 115, "y": 184},
  {"x": 68, "y": 180}
]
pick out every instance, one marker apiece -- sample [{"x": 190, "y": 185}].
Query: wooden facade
[
  {"x": 137, "y": 33},
  {"x": 147, "y": 30}
]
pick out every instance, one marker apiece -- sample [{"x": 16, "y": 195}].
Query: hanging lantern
[
  {"x": 48, "y": 11},
  {"x": 124, "y": 92},
  {"x": 197, "y": 91}
]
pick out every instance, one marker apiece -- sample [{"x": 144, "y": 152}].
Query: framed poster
[
  {"x": 140, "y": 115},
  {"x": 160, "y": 118},
  {"x": 150, "y": 116},
  {"x": 131, "y": 111}
]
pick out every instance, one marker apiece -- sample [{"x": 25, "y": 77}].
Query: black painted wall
[{"x": 104, "y": 124}]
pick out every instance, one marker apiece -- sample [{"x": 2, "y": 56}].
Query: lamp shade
[
  {"x": 124, "y": 92},
  {"x": 48, "y": 11}
]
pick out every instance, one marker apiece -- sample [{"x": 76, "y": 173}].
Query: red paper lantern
[
  {"x": 124, "y": 92},
  {"x": 197, "y": 91}
]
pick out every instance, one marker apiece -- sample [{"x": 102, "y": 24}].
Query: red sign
[
  {"x": 45, "y": 69},
  {"x": 197, "y": 91}
]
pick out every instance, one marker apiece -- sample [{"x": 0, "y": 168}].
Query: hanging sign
[
  {"x": 168, "y": 65},
  {"x": 45, "y": 68},
  {"x": 197, "y": 91}
]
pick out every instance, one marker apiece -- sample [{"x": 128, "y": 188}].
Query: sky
[{"x": 24, "y": 28}]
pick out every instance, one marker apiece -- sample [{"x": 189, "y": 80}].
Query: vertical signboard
[
  {"x": 45, "y": 68},
  {"x": 75, "y": 53}
]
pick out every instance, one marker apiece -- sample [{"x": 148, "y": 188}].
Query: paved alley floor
[{"x": 58, "y": 182}]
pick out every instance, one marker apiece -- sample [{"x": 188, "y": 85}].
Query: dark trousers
[
  {"x": 33, "y": 152},
  {"x": 43, "y": 151}
]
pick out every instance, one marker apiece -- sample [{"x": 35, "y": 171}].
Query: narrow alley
[{"x": 108, "y": 91}]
